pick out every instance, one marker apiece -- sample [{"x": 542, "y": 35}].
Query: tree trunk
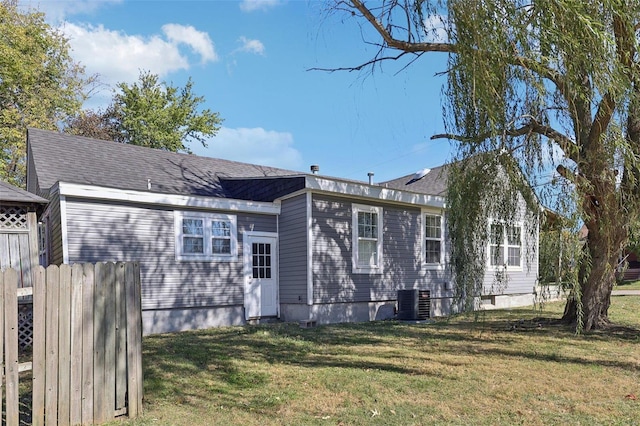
[
  {"x": 595, "y": 290},
  {"x": 607, "y": 225}
]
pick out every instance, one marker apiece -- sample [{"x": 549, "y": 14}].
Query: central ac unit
[{"x": 414, "y": 304}]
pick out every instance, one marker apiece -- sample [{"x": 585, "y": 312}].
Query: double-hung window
[
  {"x": 505, "y": 246},
  {"x": 367, "y": 239},
  {"x": 205, "y": 236},
  {"x": 433, "y": 253}
]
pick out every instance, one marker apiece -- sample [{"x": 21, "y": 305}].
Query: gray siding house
[{"x": 222, "y": 243}]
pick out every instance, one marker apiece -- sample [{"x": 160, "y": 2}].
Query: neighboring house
[{"x": 221, "y": 242}]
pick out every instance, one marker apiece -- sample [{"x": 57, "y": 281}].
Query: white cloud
[
  {"x": 117, "y": 56},
  {"x": 57, "y": 11},
  {"x": 253, "y": 5},
  {"x": 199, "y": 41},
  {"x": 255, "y": 146},
  {"x": 435, "y": 26},
  {"x": 251, "y": 46}
]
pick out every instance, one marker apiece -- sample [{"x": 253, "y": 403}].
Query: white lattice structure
[{"x": 13, "y": 218}]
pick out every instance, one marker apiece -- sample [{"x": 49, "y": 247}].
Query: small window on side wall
[
  {"x": 367, "y": 239},
  {"x": 433, "y": 243},
  {"x": 505, "y": 246},
  {"x": 205, "y": 236}
]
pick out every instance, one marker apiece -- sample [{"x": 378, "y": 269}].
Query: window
[
  {"x": 513, "y": 246},
  {"x": 505, "y": 246},
  {"x": 43, "y": 241},
  {"x": 205, "y": 236},
  {"x": 433, "y": 239},
  {"x": 367, "y": 239}
]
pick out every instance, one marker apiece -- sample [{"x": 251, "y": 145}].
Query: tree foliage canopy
[
  {"x": 157, "y": 115},
  {"x": 40, "y": 84},
  {"x": 150, "y": 113},
  {"x": 532, "y": 86}
]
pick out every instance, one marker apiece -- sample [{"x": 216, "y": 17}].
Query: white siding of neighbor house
[
  {"x": 100, "y": 231},
  {"x": 293, "y": 250},
  {"x": 333, "y": 280}
]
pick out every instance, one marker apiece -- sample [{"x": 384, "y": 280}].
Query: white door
[{"x": 261, "y": 284}]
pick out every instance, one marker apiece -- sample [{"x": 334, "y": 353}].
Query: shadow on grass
[{"x": 231, "y": 361}]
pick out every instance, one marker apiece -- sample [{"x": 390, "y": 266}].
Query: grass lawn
[
  {"x": 503, "y": 367},
  {"x": 628, "y": 285}
]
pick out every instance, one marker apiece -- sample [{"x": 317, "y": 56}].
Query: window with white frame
[
  {"x": 367, "y": 239},
  {"x": 433, "y": 239},
  {"x": 205, "y": 236},
  {"x": 505, "y": 246},
  {"x": 43, "y": 241}
]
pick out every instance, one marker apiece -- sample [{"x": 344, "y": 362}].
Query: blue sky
[{"x": 251, "y": 61}]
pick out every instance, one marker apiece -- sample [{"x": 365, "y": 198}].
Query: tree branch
[
  {"x": 364, "y": 65},
  {"x": 406, "y": 46},
  {"x": 569, "y": 148}
]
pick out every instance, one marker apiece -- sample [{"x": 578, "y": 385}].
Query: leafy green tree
[
  {"x": 526, "y": 79},
  {"x": 40, "y": 85},
  {"x": 157, "y": 115}
]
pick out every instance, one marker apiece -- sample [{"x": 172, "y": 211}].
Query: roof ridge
[{"x": 157, "y": 151}]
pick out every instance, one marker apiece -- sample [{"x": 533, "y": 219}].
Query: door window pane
[{"x": 261, "y": 254}]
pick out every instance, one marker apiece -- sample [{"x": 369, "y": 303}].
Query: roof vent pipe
[
  {"x": 370, "y": 174},
  {"x": 149, "y": 184},
  {"x": 315, "y": 169}
]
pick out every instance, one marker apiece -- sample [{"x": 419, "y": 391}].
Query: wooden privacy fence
[{"x": 87, "y": 343}]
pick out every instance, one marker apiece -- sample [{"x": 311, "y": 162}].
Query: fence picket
[
  {"x": 121, "y": 338},
  {"x": 110, "y": 342},
  {"x": 99, "y": 339},
  {"x": 39, "y": 354},
  {"x": 87, "y": 343},
  {"x": 4, "y": 281},
  {"x": 64, "y": 344},
  {"x": 134, "y": 339},
  {"x": 12, "y": 398},
  {"x": 51, "y": 346},
  {"x": 75, "y": 382}
]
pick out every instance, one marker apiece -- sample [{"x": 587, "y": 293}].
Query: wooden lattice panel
[
  {"x": 25, "y": 326},
  {"x": 13, "y": 218}
]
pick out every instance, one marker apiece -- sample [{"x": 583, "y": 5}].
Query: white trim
[
  {"x": 207, "y": 255},
  {"x": 357, "y": 268},
  {"x": 505, "y": 248},
  {"x": 63, "y": 229},
  {"x": 309, "y": 202},
  {"x": 373, "y": 192},
  {"x": 175, "y": 200},
  {"x": 423, "y": 240},
  {"x": 291, "y": 195}
]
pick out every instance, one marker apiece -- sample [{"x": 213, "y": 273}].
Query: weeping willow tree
[{"x": 532, "y": 86}]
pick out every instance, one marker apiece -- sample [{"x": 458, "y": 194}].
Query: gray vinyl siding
[
  {"x": 333, "y": 280},
  {"x": 114, "y": 232},
  {"x": 32, "y": 177},
  {"x": 293, "y": 250}
]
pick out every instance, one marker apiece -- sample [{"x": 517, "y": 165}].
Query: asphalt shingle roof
[
  {"x": 59, "y": 157},
  {"x": 13, "y": 194},
  {"x": 434, "y": 183},
  {"x": 75, "y": 159}
]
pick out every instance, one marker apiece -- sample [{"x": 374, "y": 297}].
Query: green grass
[
  {"x": 628, "y": 285},
  {"x": 499, "y": 367}
]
